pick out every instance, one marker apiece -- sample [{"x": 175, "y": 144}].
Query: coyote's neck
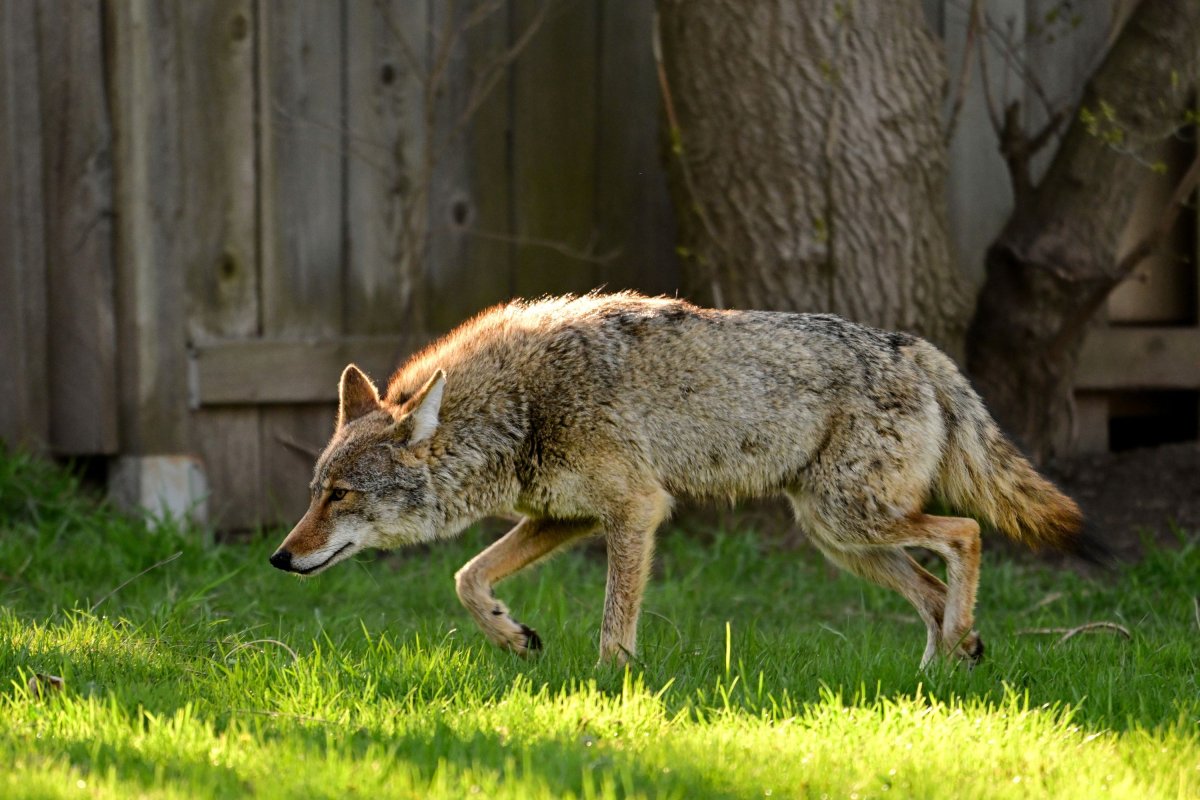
[{"x": 478, "y": 479}]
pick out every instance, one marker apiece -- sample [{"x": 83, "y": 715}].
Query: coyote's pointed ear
[
  {"x": 357, "y": 396},
  {"x": 424, "y": 407}
]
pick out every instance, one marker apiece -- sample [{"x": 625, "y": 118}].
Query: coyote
[{"x": 591, "y": 414}]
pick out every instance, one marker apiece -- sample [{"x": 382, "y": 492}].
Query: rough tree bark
[
  {"x": 1056, "y": 260},
  {"x": 809, "y": 166}
]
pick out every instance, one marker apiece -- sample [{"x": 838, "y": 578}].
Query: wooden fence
[
  {"x": 211, "y": 206},
  {"x": 220, "y": 204}
]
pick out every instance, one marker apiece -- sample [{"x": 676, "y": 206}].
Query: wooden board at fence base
[
  {"x": 288, "y": 371},
  {"x": 25, "y": 410},
  {"x": 1140, "y": 358},
  {"x": 78, "y": 197}
]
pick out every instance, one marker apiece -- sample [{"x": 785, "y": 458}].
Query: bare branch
[
  {"x": 964, "y": 71},
  {"x": 1070, "y": 633},
  {"x": 587, "y": 254},
  {"x": 300, "y": 448},
  {"x": 988, "y": 100},
  {"x": 676, "y": 135},
  {"x": 128, "y": 581},
  {"x": 491, "y": 74}
]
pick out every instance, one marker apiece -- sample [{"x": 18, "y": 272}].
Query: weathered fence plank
[
  {"x": 387, "y": 170},
  {"x": 150, "y": 285},
  {"x": 553, "y": 147},
  {"x": 302, "y": 173},
  {"x": 301, "y": 166},
  {"x": 218, "y": 248},
  {"x": 217, "y": 149},
  {"x": 634, "y": 215},
  {"x": 78, "y": 201},
  {"x": 470, "y": 262},
  {"x": 24, "y": 385}
]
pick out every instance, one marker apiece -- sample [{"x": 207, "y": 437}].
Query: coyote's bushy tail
[{"x": 983, "y": 474}]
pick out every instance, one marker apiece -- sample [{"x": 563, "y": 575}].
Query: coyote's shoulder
[{"x": 596, "y": 412}]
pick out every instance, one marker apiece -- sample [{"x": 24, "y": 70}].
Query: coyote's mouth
[{"x": 326, "y": 562}]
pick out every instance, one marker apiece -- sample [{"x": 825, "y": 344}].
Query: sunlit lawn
[{"x": 762, "y": 673}]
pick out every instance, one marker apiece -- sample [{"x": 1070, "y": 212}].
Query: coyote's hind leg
[
  {"x": 529, "y": 541},
  {"x": 894, "y": 569},
  {"x": 956, "y": 540}
]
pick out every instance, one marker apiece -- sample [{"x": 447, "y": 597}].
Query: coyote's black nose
[{"x": 282, "y": 560}]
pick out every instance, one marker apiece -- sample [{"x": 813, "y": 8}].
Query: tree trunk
[
  {"x": 1056, "y": 260},
  {"x": 809, "y": 164}
]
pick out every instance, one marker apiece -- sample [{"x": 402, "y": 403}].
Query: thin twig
[
  {"x": 549, "y": 244},
  {"x": 125, "y": 583},
  {"x": 676, "y": 135},
  {"x": 1196, "y": 607},
  {"x": 298, "y": 447},
  {"x": 1045, "y": 601},
  {"x": 964, "y": 71},
  {"x": 243, "y": 645},
  {"x": 988, "y": 101},
  {"x": 1068, "y": 633}
]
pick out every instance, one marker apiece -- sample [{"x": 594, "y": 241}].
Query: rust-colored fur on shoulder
[{"x": 592, "y": 414}]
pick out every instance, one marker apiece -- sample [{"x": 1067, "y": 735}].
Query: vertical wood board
[
  {"x": 302, "y": 162},
  {"x": 471, "y": 250},
  {"x": 292, "y": 438},
  {"x": 152, "y": 323},
  {"x": 216, "y": 106},
  {"x": 387, "y": 174},
  {"x": 302, "y": 129},
  {"x": 634, "y": 215},
  {"x": 78, "y": 201},
  {"x": 24, "y": 414},
  {"x": 218, "y": 248},
  {"x": 555, "y": 85}
]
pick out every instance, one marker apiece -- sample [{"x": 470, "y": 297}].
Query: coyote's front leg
[
  {"x": 529, "y": 541},
  {"x": 630, "y": 537}
]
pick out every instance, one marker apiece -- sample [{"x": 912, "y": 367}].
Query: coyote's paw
[
  {"x": 509, "y": 634},
  {"x": 970, "y": 649}
]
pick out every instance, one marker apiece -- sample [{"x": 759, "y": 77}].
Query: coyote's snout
[{"x": 589, "y": 415}]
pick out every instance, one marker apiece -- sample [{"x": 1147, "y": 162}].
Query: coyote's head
[{"x": 371, "y": 487}]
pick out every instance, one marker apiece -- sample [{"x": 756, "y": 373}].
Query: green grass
[{"x": 762, "y": 673}]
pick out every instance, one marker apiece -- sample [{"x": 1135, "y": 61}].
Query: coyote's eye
[{"x": 337, "y": 494}]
